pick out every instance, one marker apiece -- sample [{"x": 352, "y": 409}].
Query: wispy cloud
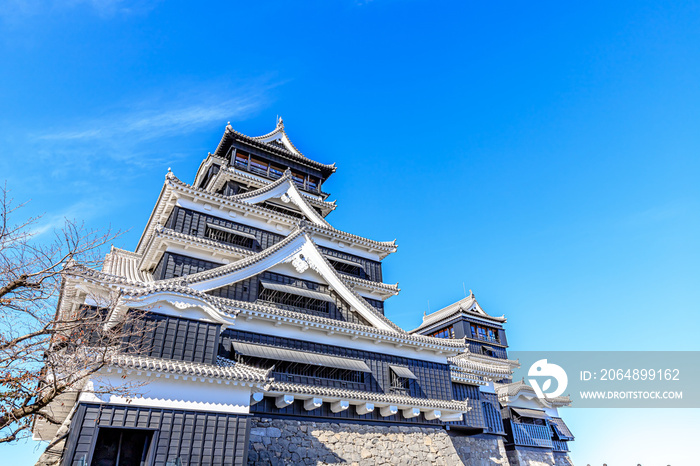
[
  {"x": 84, "y": 167},
  {"x": 154, "y": 123},
  {"x": 134, "y": 133},
  {"x": 82, "y": 210},
  {"x": 16, "y": 10}
]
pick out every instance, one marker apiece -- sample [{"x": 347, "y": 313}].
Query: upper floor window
[
  {"x": 229, "y": 236},
  {"x": 241, "y": 160},
  {"x": 282, "y": 209},
  {"x": 288, "y": 295},
  {"x": 313, "y": 183},
  {"x": 484, "y": 333},
  {"x": 401, "y": 379},
  {"x": 308, "y": 365},
  {"x": 276, "y": 172},
  {"x": 258, "y": 166},
  {"x": 299, "y": 179},
  {"x": 121, "y": 446},
  {"x": 347, "y": 266},
  {"x": 447, "y": 332}
]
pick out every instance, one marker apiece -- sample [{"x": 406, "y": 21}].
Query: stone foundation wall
[
  {"x": 280, "y": 441},
  {"x": 537, "y": 457},
  {"x": 562, "y": 459}
]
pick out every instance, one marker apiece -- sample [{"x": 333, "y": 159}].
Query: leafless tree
[{"x": 47, "y": 348}]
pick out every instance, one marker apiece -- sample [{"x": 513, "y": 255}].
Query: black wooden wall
[
  {"x": 475, "y": 416},
  {"x": 485, "y": 410},
  {"x": 375, "y": 303},
  {"x": 498, "y": 352},
  {"x": 176, "y": 265},
  {"x": 492, "y": 413},
  {"x": 197, "y": 438},
  {"x": 194, "y": 223},
  {"x": 433, "y": 379},
  {"x": 258, "y": 153},
  {"x": 177, "y": 338}
]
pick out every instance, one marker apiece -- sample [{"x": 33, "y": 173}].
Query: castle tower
[{"x": 269, "y": 342}]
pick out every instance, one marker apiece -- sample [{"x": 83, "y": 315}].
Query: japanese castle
[{"x": 270, "y": 344}]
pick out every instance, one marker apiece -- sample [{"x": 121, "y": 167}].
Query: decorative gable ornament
[{"x": 299, "y": 263}]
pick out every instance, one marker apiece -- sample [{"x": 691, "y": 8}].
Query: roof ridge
[
  {"x": 283, "y": 150},
  {"x": 384, "y": 244},
  {"x": 368, "y": 306},
  {"x": 364, "y": 281},
  {"x": 197, "y": 369},
  {"x": 285, "y": 313},
  {"x": 241, "y": 263},
  {"x": 296, "y": 197},
  {"x": 359, "y": 395}
]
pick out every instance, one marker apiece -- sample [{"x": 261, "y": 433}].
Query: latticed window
[
  {"x": 297, "y": 297},
  {"x": 447, "y": 332},
  {"x": 304, "y": 370},
  {"x": 401, "y": 379},
  {"x": 399, "y": 384},
  {"x": 282, "y": 209},
  {"x": 229, "y": 236},
  {"x": 347, "y": 266},
  {"x": 288, "y": 299},
  {"x": 304, "y": 367}
]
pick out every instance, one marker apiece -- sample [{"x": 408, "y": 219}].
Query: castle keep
[{"x": 270, "y": 345}]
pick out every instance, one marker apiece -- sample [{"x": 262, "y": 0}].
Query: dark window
[
  {"x": 283, "y": 210},
  {"x": 529, "y": 420},
  {"x": 293, "y": 300},
  {"x": 229, "y": 236},
  {"x": 121, "y": 447},
  {"x": 400, "y": 385},
  {"x": 484, "y": 333},
  {"x": 447, "y": 332},
  {"x": 304, "y": 370},
  {"x": 347, "y": 267}
]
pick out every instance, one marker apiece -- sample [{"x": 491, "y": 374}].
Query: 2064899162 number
[{"x": 639, "y": 374}]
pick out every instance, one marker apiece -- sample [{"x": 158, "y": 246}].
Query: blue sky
[{"x": 544, "y": 155}]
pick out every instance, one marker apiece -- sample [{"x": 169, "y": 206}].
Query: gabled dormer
[
  {"x": 266, "y": 157},
  {"x": 466, "y": 319}
]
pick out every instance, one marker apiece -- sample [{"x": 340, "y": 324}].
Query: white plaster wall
[{"x": 169, "y": 392}]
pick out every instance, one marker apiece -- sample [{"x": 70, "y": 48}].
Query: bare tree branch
[{"x": 51, "y": 343}]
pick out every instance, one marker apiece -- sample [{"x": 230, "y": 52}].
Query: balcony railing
[{"x": 486, "y": 338}]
